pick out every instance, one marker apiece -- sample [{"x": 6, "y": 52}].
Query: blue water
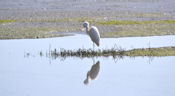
[{"x": 33, "y": 75}]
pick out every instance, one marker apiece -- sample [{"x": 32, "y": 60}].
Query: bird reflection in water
[{"x": 93, "y": 73}]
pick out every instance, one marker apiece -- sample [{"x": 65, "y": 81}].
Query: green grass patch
[
  {"x": 3, "y": 21},
  {"x": 130, "y": 22}
]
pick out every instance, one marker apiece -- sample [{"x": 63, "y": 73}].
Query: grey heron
[{"x": 93, "y": 33}]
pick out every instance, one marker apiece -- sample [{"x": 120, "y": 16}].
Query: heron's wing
[{"x": 94, "y": 34}]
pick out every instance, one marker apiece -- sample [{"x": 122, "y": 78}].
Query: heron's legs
[
  {"x": 93, "y": 50},
  {"x": 93, "y": 46},
  {"x": 93, "y": 60}
]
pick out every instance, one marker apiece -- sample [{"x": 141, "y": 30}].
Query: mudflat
[{"x": 114, "y": 18}]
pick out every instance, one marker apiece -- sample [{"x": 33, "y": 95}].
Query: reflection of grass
[
  {"x": 163, "y": 51},
  {"x": 3, "y": 21}
]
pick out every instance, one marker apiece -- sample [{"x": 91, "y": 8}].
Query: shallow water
[
  {"x": 83, "y": 41},
  {"x": 34, "y": 75}
]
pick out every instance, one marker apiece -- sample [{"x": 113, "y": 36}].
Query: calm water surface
[{"x": 42, "y": 76}]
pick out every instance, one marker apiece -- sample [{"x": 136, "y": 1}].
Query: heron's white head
[{"x": 86, "y": 24}]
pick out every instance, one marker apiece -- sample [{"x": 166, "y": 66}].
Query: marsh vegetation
[{"x": 157, "y": 52}]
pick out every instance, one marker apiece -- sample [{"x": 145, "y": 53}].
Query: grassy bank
[
  {"x": 44, "y": 28},
  {"x": 130, "y": 28},
  {"x": 163, "y": 51},
  {"x": 27, "y": 32},
  {"x": 140, "y": 30}
]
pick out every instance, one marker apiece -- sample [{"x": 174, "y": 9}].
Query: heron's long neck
[{"x": 87, "y": 30}]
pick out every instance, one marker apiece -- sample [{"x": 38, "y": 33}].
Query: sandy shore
[{"x": 52, "y": 18}]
